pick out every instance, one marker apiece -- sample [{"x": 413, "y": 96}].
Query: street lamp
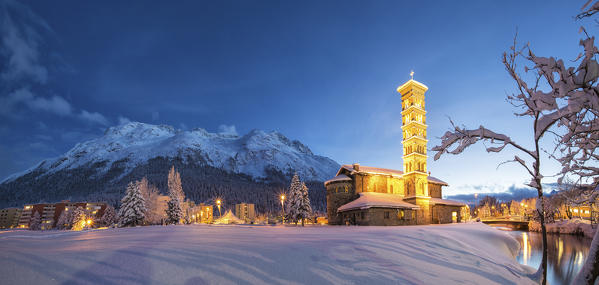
[
  {"x": 283, "y": 207},
  {"x": 218, "y": 205}
]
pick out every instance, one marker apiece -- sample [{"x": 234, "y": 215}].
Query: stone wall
[
  {"x": 379, "y": 217},
  {"x": 435, "y": 190},
  {"x": 336, "y": 197},
  {"x": 442, "y": 214},
  {"x": 379, "y": 184}
]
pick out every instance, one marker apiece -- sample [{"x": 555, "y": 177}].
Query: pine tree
[
  {"x": 294, "y": 199},
  {"x": 36, "y": 222},
  {"x": 133, "y": 208},
  {"x": 63, "y": 221},
  {"x": 109, "y": 217},
  {"x": 79, "y": 219},
  {"x": 173, "y": 211},
  {"x": 304, "y": 208}
]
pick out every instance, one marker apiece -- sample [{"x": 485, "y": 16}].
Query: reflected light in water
[
  {"x": 524, "y": 248},
  {"x": 560, "y": 249}
]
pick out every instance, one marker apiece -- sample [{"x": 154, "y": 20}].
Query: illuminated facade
[
  {"x": 365, "y": 195},
  {"x": 50, "y": 213}
]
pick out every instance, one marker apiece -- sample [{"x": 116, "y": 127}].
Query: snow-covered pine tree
[
  {"x": 109, "y": 217},
  {"x": 304, "y": 210},
  {"x": 133, "y": 208},
  {"x": 63, "y": 221},
  {"x": 294, "y": 199},
  {"x": 79, "y": 219},
  {"x": 36, "y": 222},
  {"x": 173, "y": 212}
]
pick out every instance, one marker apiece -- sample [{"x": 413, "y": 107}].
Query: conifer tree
[
  {"x": 133, "y": 208},
  {"x": 294, "y": 199},
  {"x": 173, "y": 211},
  {"x": 63, "y": 221},
  {"x": 79, "y": 219},
  {"x": 36, "y": 222},
  {"x": 109, "y": 217},
  {"x": 304, "y": 208}
]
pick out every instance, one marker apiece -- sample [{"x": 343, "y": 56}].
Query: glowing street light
[
  {"x": 283, "y": 207},
  {"x": 218, "y": 205}
]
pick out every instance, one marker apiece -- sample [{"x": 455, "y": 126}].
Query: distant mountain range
[
  {"x": 513, "y": 193},
  {"x": 248, "y": 168}
]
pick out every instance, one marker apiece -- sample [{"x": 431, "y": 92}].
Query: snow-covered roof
[
  {"x": 377, "y": 200},
  {"x": 446, "y": 202},
  {"x": 371, "y": 170},
  {"x": 340, "y": 177},
  {"x": 436, "y": 180},
  {"x": 229, "y": 218},
  {"x": 384, "y": 171}
]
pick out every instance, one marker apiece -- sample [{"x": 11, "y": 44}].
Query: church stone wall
[
  {"x": 435, "y": 190},
  {"x": 442, "y": 214},
  {"x": 379, "y": 217},
  {"x": 338, "y": 194}
]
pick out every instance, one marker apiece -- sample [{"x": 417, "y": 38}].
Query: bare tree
[{"x": 541, "y": 107}]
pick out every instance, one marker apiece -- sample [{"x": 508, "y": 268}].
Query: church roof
[
  {"x": 446, "y": 202},
  {"x": 384, "y": 171},
  {"x": 377, "y": 200},
  {"x": 340, "y": 177}
]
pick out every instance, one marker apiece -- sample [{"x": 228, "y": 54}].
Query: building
[
  {"x": 364, "y": 195},
  {"x": 245, "y": 212},
  {"x": 9, "y": 218},
  {"x": 50, "y": 213}
]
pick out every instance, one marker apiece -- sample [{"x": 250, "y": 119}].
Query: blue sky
[{"x": 322, "y": 72}]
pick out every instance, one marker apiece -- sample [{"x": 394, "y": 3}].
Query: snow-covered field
[{"x": 221, "y": 254}]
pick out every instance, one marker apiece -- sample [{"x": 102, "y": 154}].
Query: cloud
[
  {"x": 55, "y": 104},
  {"x": 22, "y": 67},
  {"x": 21, "y": 43},
  {"x": 123, "y": 120},
  {"x": 227, "y": 130},
  {"x": 94, "y": 117}
]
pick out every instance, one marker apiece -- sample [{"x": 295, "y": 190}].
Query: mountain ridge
[{"x": 211, "y": 164}]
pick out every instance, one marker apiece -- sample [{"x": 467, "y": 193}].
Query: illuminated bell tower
[{"x": 414, "y": 146}]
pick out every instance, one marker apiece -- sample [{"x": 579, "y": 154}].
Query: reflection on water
[{"x": 566, "y": 254}]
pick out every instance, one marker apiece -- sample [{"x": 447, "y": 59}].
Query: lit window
[{"x": 575, "y": 210}]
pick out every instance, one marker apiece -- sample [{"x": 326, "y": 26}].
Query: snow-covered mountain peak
[{"x": 132, "y": 144}]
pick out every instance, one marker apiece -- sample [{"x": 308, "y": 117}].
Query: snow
[
  {"x": 226, "y": 254},
  {"x": 373, "y": 199},
  {"x": 135, "y": 143},
  {"x": 446, "y": 202},
  {"x": 340, "y": 177},
  {"x": 229, "y": 218},
  {"x": 571, "y": 226}
]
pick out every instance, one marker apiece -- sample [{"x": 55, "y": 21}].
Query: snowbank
[
  {"x": 201, "y": 254},
  {"x": 572, "y": 226}
]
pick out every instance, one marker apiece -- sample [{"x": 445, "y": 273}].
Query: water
[{"x": 566, "y": 254}]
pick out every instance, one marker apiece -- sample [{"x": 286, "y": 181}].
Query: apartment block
[{"x": 9, "y": 217}]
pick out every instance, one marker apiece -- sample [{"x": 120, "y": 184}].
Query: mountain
[{"x": 211, "y": 164}]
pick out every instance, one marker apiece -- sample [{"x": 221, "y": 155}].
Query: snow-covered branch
[{"x": 463, "y": 138}]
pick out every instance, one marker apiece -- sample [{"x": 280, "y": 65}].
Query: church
[{"x": 364, "y": 195}]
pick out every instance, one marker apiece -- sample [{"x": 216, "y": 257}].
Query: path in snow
[{"x": 203, "y": 254}]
